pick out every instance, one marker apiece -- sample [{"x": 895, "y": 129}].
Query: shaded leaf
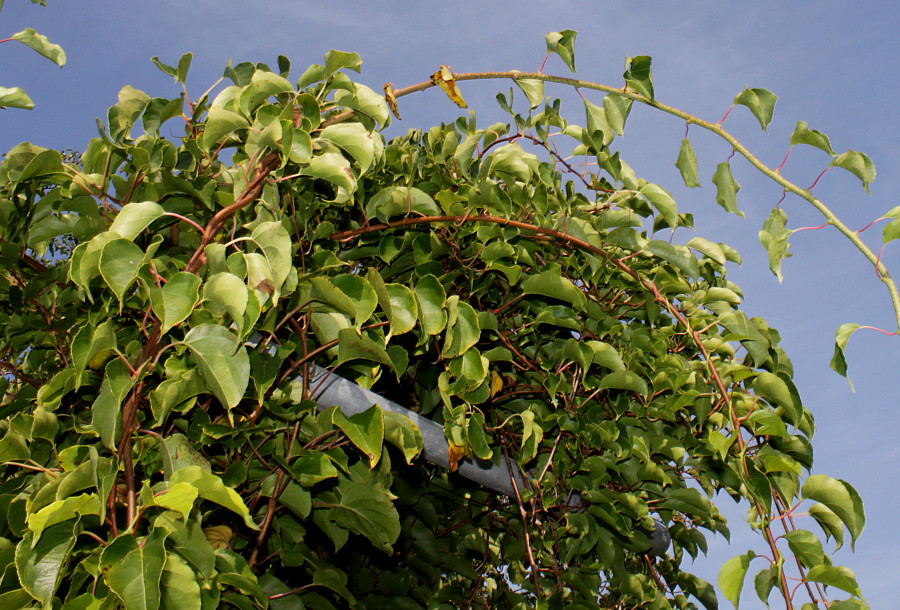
[{"x": 41, "y": 567}]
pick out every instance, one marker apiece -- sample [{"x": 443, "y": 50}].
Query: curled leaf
[
  {"x": 444, "y": 79},
  {"x": 391, "y": 99}
]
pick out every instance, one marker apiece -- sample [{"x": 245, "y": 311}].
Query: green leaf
[
  {"x": 120, "y": 261},
  {"x": 336, "y": 60},
  {"x": 431, "y": 297},
  {"x": 331, "y": 167},
  {"x": 687, "y": 164},
  {"x": 597, "y": 121},
  {"x": 365, "y": 101},
  {"x": 366, "y": 510},
  {"x": 841, "y": 498},
  {"x": 263, "y": 85},
  {"x": 179, "y": 497},
  {"x": 211, "y": 488},
  {"x": 42, "y": 45},
  {"x": 403, "y": 434},
  {"x": 399, "y": 201},
  {"x": 365, "y": 430},
  {"x": 857, "y": 163},
  {"x": 353, "y": 346},
  {"x": 275, "y": 242},
  {"x": 726, "y": 189},
  {"x": 62, "y": 510},
  {"x": 41, "y": 567},
  {"x": 711, "y": 250},
  {"x": 223, "y": 363},
  {"x": 123, "y": 115},
  {"x": 175, "y": 301},
  {"x": 617, "y": 108},
  {"x": 835, "y": 576},
  {"x": 803, "y": 135},
  {"x": 135, "y": 217},
  {"x": 761, "y": 103},
  {"x": 552, "y": 284},
  {"x": 229, "y": 292},
  {"x": 177, "y": 452},
  {"x": 220, "y": 123},
  {"x": 623, "y": 380},
  {"x": 676, "y": 254},
  {"x": 106, "y": 411},
  {"x": 838, "y": 361},
  {"x": 774, "y": 238},
  {"x": 178, "y": 585},
  {"x": 563, "y": 44},
  {"x": 830, "y": 523},
  {"x": 357, "y": 141},
  {"x": 806, "y": 547},
  {"x": 731, "y": 577},
  {"x": 92, "y": 343},
  {"x": 663, "y": 201},
  {"x": 314, "y": 467},
  {"x": 533, "y": 89},
  {"x": 463, "y": 329},
  {"x": 774, "y": 389},
  {"x": 477, "y": 438},
  {"x": 15, "y": 97},
  {"x": 639, "y": 75},
  {"x": 135, "y": 578}
]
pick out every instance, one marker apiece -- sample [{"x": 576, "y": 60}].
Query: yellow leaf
[
  {"x": 496, "y": 383},
  {"x": 218, "y": 536},
  {"x": 455, "y": 453},
  {"x": 391, "y": 99},
  {"x": 444, "y": 79}
]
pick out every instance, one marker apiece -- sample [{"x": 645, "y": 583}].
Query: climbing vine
[{"x": 166, "y": 302}]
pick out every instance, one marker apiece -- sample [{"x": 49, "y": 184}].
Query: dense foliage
[{"x": 162, "y": 302}]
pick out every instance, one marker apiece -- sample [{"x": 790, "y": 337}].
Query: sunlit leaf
[
  {"x": 841, "y": 498},
  {"x": 42, "y": 45},
  {"x": 687, "y": 164},
  {"x": 857, "y": 163},
  {"x": 838, "y": 361},
  {"x": 639, "y": 75},
  {"x": 803, "y": 135},
  {"x": 731, "y": 577},
  {"x": 223, "y": 363},
  {"x": 15, "y": 97},
  {"x": 563, "y": 44},
  {"x": 774, "y": 238},
  {"x": 726, "y": 189},
  {"x": 761, "y": 103}
]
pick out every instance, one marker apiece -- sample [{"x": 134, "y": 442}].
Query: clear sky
[{"x": 833, "y": 64}]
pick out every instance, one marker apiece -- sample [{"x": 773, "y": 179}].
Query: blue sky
[{"x": 833, "y": 64}]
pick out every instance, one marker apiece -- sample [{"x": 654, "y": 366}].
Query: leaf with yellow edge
[{"x": 444, "y": 79}]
